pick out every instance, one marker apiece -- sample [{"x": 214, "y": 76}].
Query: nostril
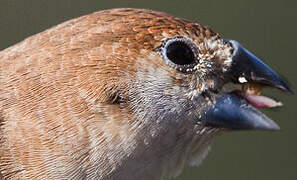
[{"x": 231, "y": 44}]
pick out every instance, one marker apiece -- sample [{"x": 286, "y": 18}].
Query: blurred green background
[{"x": 267, "y": 28}]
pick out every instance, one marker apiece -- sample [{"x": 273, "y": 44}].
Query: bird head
[
  {"x": 139, "y": 85},
  {"x": 167, "y": 69},
  {"x": 174, "y": 75}
]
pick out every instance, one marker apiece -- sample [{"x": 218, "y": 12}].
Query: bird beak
[
  {"x": 233, "y": 110},
  {"x": 247, "y": 65}
]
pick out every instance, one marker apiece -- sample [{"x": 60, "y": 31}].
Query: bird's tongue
[
  {"x": 259, "y": 101},
  {"x": 252, "y": 93}
]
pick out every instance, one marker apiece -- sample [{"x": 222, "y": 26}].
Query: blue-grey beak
[
  {"x": 231, "y": 110},
  {"x": 247, "y": 65}
]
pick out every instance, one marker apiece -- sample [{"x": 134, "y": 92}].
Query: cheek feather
[{"x": 214, "y": 52}]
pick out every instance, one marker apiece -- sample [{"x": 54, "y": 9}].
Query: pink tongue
[{"x": 261, "y": 101}]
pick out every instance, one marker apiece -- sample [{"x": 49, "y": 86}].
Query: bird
[{"x": 124, "y": 94}]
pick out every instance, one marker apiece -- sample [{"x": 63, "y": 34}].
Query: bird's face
[
  {"x": 177, "y": 81},
  {"x": 172, "y": 70},
  {"x": 173, "y": 75}
]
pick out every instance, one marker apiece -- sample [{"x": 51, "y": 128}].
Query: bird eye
[{"x": 180, "y": 51}]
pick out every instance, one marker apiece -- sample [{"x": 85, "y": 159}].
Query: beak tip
[
  {"x": 289, "y": 90},
  {"x": 268, "y": 125},
  {"x": 283, "y": 85},
  {"x": 277, "y": 128}
]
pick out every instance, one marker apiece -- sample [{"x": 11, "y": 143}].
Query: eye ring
[{"x": 181, "y": 53}]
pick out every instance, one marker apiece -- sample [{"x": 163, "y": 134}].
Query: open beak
[{"x": 237, "y": 110}]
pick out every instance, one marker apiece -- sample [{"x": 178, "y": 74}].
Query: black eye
[{"x": 180, "y": 51}]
